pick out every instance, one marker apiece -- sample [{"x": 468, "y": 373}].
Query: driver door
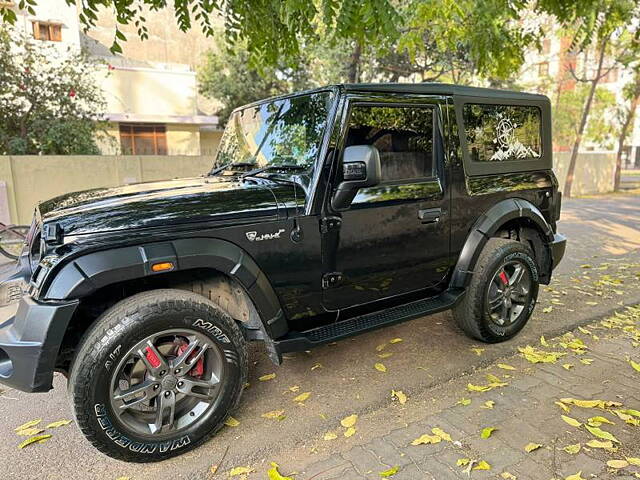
[{"x": 394, "y": 238}]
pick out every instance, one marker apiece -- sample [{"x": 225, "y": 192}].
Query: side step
[{"x": 301, "y": 341}]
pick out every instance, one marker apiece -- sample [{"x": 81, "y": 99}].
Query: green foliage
[
  {"x": 600, "y": 127},
  {"x": 50, "y": 102},
  {"x": 228, "y": 77},
  {"x": 272, "y": 30},
  {"x": 467, "y": 37}
]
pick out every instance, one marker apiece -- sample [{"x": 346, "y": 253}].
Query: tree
[
  {"x": 461, "y": 39},
  {"x": 597, "y": 27},
  {"x": 49, "y": 102},
  {"x": 273, "y": 31},
  {"x": 228, "y": 77},
  {"x": 632, "y": 95}
]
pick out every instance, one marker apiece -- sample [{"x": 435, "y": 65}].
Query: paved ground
[{"x": 432, "y": 366}]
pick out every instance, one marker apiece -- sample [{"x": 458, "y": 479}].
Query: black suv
[{"x": 328, "y": 213}]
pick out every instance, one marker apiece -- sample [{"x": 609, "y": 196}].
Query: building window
[
  {"x": 543, "y": 69},
  {"x": 141, "y": 139},
  {"x": 51, "y": 32}
]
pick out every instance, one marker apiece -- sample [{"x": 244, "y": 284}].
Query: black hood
[{"x": 164, "y": 203}]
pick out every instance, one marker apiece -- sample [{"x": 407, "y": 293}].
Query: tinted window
[
  {"x": 403, "y": 135},
  {"x": 498, "y": 133}
]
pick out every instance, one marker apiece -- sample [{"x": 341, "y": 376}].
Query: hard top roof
[{"x": 437, "y": 89}]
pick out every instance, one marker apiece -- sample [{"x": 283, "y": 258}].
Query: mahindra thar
[{"x": 327, "y": 213}]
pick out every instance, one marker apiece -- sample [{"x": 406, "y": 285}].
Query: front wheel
[
  {"x": 502, "y": 293},
  {"x": 157, "y": 375}
]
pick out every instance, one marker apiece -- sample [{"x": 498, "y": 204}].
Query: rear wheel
[
  {"x": 502, "y": 293},
  {"x": 157, "y": 375}
]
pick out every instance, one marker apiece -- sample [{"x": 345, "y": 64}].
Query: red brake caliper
[
  {"x": 198, "y": 369},
  {"x": 152, "y": 358},
  {"x": 503, "y": 277}
]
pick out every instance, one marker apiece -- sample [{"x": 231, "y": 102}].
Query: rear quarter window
[{"x": 502, "y": 133}]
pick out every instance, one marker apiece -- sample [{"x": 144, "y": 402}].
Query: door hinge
[
  {"x": 330, "y": 280},
  {"x": 329, "y": 224}
]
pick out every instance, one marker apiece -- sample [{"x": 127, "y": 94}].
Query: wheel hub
[
  {"x": 167, "y": 381},
  {"x": 508, "y": 293}
]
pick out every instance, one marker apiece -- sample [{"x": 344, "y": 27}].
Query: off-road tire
[
  {"x": 115, "y": 332},
  {"x": 470, "y": 313}
]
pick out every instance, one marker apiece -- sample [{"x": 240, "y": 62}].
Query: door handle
[{"x": 430, "y": 215}]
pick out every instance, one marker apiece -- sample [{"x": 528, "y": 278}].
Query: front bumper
[
  {"x": 558, "y": 246},
  {"x": 30, "y": 334}
]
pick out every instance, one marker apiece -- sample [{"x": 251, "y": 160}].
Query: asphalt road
[{"x": 604, "y": 244}]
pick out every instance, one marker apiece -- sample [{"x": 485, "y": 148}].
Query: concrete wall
[
  {"x": 30, "y": 179},
  {"x": 593, "y": 173}
]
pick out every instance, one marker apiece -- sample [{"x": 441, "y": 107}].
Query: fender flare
[
  {"x": 92, "y": 271},
  {"x": 486, "y": 226}
]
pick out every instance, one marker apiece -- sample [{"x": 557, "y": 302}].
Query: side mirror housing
[{"x": 360, "y": 169}]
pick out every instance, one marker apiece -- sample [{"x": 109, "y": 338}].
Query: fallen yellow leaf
[
  {"x": 563, "y": 406},
  {"x": 426, "y": 439},
  {"x": 573, "y": 449},
  {"x": 274, "y": 474},
  {"x": 330, "y": 436},
  {"x": 482, "y": 465},
  {"x": 59, "y": 423},
  {"x": 29, "y": 424},
  {"x": 571, "y": 421},
  {"x": 486, "y": 432},
  {"x": 504, "y": 366},
  {"x": 461, "y": 462},
  {"x": 32, "y": 440},
  {"x": 385, "y": 355},
  {"x": 389, "y": 473},
  {"x": 597, "y": 421},
  {"x": 349, "y": 421},
  {"x": 441, "y": 433},
  {"x": 488, "y": 404},
  {"x": 543, "y": 341},
  {"x": 302, "y": 397},
  {"x": 464, "y": 401},
  {"x": 231, "y": 422},
  {"x": 274, "y": 414},
  {"x": 617, "y": 463},
  {"x": 595, "y": 431},
  {"x": 635, "y": 365},
  {"x": 380, "y": 367},
  {"x": 530, "y": 447},
  {"x": 350, "y": 432},
  {"x": 270, "y": 376},
  {"x": 633, "y": 461},
  {"x": 477, "y": 351},
  {"x": 600, "y": 444},
  {"x": 399, "y": 395},
  {"x": 27, "y": 432},
  {"x": 395, "y": 340},
  {"x": 240, "y": 471},
  {"x": 508, "y": 476},
  {"x": 576, "y": 476}
]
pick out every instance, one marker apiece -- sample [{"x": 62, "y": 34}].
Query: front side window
[
  {"x": 402, "y": 134},
  {"x": 499, "y": 133},
  {"x": 288, "y": 131}
]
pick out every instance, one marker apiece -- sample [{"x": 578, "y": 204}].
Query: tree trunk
[
  {"x": 354, "y": 64},
  {"x": 583, "y": 121},
  {"x": 628, "y": 121}
]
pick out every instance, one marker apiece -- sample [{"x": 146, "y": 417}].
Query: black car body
[
  {"x": 384, "y": 253},
  {"x": 318, "y": 251}
]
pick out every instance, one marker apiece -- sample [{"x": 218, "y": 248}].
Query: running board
[{"x": 301, "y": 341}]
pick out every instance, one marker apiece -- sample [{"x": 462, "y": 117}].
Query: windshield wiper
[
  {"x": 254, "y": 173},
  {"x": 221, "y": 168}
]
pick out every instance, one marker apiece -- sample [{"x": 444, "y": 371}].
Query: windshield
[{"x": 282, "y": 132}]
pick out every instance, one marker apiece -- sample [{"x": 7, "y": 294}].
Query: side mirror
[{"x": 360, "y": 168}]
